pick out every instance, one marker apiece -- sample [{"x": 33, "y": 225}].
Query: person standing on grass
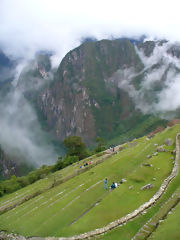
[{"x": 106, "y": 183}]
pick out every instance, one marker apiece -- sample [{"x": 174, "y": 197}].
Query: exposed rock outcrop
[
  {"x": 169, "y": 141},
  {"x": 148, "y": 186},
  {"x": 8, "y": 167},
  {"x": 160, "y": 148}
]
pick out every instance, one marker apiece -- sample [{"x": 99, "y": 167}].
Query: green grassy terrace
[
  {"x": 80, "y": 203},
  {"x": 169, "y": 228}
]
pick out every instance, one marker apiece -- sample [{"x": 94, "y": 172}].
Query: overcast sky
[{"x": 29, "y": 25}]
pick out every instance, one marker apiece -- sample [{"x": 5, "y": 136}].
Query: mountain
[
  {"x": 11, "y": 165},
  {"x": 25, "y": 142},
  {"x": 7, "y": 165},
  {"x": 86, "y": 97},
  {"x": 6, "y": 73},
  {"x": 116, "y": 89}
]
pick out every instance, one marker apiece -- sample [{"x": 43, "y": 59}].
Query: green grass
[
  {"x": 128, "y": 231},
  {"x": 53, "y": 212},
  {"x": 169, "y": 229},
  {"x": 46, "y": 183}
]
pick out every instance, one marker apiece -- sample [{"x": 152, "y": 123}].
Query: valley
[{"x": 89, "y": 120}]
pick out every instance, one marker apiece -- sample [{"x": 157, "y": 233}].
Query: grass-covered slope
[
  {"x": 81, "y": 203},
  {"x": 22, "y": 195},
  {"x": 169, "y": 229}
]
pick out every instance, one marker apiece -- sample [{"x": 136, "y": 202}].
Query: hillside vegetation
[{"x": 73, "y": 200}]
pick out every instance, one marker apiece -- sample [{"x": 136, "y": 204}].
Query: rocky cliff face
[
  {"x": 12, "y": 165},
  {"x": 83, "y": 100},
  {"x": 8, "y": 167},
  {"x": 19, "y": 127}
]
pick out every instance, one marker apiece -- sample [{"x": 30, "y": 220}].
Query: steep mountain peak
[{"x": 86, "y": 98}]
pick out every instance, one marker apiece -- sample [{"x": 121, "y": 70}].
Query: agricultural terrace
[
  {"x": 81, "y": 203},
  {"x": 169, "y": 228},
  {"x": 16, "y": 198}
]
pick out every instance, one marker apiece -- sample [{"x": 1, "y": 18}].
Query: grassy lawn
[
  {"x": 169, "y": 229},
  {"x": 82, "y": 204},
  {"x": 43, "y": 184},
  {"x": 128, "y": 231}
]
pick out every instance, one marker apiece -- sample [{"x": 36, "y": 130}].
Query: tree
[
  {"x": 32, "y": 177},
  {"x": 101, "y": 145},
  {"x": 75, "y": 146},
  {"x": 68, "y": 160},
  {"x": 59, "y": 164},
  {"x": 1, "y": 189},
  {"x": 23, "y": 181}
]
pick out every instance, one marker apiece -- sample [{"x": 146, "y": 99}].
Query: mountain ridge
[{"x": 115, "y": 89}]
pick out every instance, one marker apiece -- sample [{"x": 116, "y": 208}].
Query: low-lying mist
[
  {"x": 155, "y": 89},
  {"x": 21, "y": 135}
]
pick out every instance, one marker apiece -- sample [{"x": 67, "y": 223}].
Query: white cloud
[
  {"x": 164, "y": 76},
  {"x": 169, "y": 98},
  {"x": 21, "y": 135},
  {"x": 26, "y": 26}
]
